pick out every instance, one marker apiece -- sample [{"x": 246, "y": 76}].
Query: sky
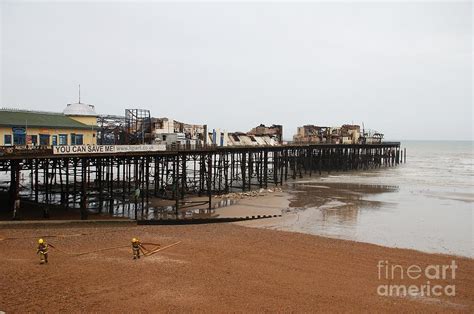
[{"x": 402, "y": 68}]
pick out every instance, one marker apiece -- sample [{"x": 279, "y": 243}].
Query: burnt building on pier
[{"x": 345, "y": 134}]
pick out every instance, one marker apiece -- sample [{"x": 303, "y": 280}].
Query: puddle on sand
[
  {"x": 336, "y": 195},
  {"x": 188, "y": 210}
]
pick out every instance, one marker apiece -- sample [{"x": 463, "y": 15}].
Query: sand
[{"x": 216, "y": 268}]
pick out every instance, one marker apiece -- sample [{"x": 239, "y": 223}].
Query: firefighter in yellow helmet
[
  {"x": 42, "y": 251},
  {"x": 136, "y": 247}
]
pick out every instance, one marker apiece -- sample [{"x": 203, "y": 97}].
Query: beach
[
  {"x": 330, "y": 249},
  {"x": 214, "y": 267}
]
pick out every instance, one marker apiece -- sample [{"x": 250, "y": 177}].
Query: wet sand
[
  {"x": 297, "y": 201},
  {"x": 216, "y": 268},
  {"x": 386, "y": 215},
  {"x": 261, "y": 203}
]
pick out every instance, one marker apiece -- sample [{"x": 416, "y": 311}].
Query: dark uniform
[{"x": 43, "y": 252}]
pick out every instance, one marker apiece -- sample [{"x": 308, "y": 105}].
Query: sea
[{"x": 424, "y": 204}]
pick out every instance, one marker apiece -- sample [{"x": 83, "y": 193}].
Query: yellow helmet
[
  {"x": 134, "y": 240},
  {"x": 40, "y": 241}
]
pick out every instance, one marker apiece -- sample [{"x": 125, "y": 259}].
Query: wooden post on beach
[
  {"x": 281, "y": 166},
  {"x": 320, "y": 161},
  {"x": 209, "y": 178},
  {"x": 46, "y": 186},
  {"x": 265, "y": 168},
  {"x": 329, "y": 156},
  {"x": 226, "y": 173},
  {"x": 243, "y": 168},
  {"x": 183, "y": 176},
  {"x": 232, "y": 170},
  {"x": 175, "y": 184},
  {"x": 74, "y": 182},
  {"x": 119, "y": 162},
  {"x": 15, "y": 188},
  {"x": 36, "y": 180},
  {"x": 129, "y": 180},
  {"x": 66, "y": 188},
  {"x": 32, "y": 186},
  {"x": 98, "y": 165},
  {"x": 310, "y": 160},
  {"x": 294, "y": 161},
  {"x": 124, "y": 187},
  {"x": 110, "y": 166},
  {"x": 83, "y": 189},
  {"x": 250, "y": 168},
  {"x": 156, "y": 172},
  {"x": 147, "y": 183},
  {"x": 275, "y": 167}
]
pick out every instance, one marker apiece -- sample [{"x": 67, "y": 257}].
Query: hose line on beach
[
  {"x": 161, "y": 249},
  {"x": 145, "y": 251}
]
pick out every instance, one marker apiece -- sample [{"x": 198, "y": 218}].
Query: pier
[{"x": 105, "y": 183}]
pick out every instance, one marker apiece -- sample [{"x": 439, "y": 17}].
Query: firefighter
[
  {"x": 42, "y": 251},
  {"x": 136, "y": 247}
]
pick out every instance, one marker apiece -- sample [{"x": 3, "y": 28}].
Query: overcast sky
[{"x": 404, "y": 68}]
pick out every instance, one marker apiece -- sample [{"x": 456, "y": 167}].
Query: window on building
[
  {"x": 34, "y": 139},
  {"x": 79, "y": 139},
  {"x": 7, "y": 139},
  {"x": 55, "y": 140},
  {"x": 62, "y": 139},
  {"x": 19, "y": 139},
  {"x": 44, "y": 139},
  {"x": 19, "y": 136}
]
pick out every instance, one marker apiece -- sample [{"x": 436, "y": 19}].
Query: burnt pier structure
[{"x": 127, "y": 183}]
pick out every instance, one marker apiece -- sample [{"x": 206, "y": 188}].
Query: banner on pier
[{"x": 105, "y": 149}]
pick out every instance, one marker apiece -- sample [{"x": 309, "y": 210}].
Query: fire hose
[
  {"x": 145, "y": 251},
  {"x": 161, "y": 249}
]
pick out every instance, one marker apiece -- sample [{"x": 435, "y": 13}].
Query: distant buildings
[
  {"x": 371, "y": 137},
  {"x": 311, "y": 134},
  {"x": 345, "y": 134},
  {"x": 243, "y": 139},
  {"x": 171, "y": 132},
  {"x": 77, "y": 125},
  {"x": 168, "y": 131},
  {"x": 275, "y": 132},
  {"x": 258, "y": 136}
]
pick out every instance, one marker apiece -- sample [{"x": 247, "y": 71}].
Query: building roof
[
  {"x": 80, "y": 109},
  {"x": 21, "y": 118}
]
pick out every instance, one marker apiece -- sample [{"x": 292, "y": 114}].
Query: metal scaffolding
[
  {"x": 111, "y": 130},
  {"x": 138, "y": 126}
]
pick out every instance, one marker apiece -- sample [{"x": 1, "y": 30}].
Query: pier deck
[{"x": 126, "y": 182}]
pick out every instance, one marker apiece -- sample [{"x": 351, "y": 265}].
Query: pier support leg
[
  {"x": 84, "y": 189},
  {"x": 209, "y": 178},
  {"x": 15, "y": 188}
]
